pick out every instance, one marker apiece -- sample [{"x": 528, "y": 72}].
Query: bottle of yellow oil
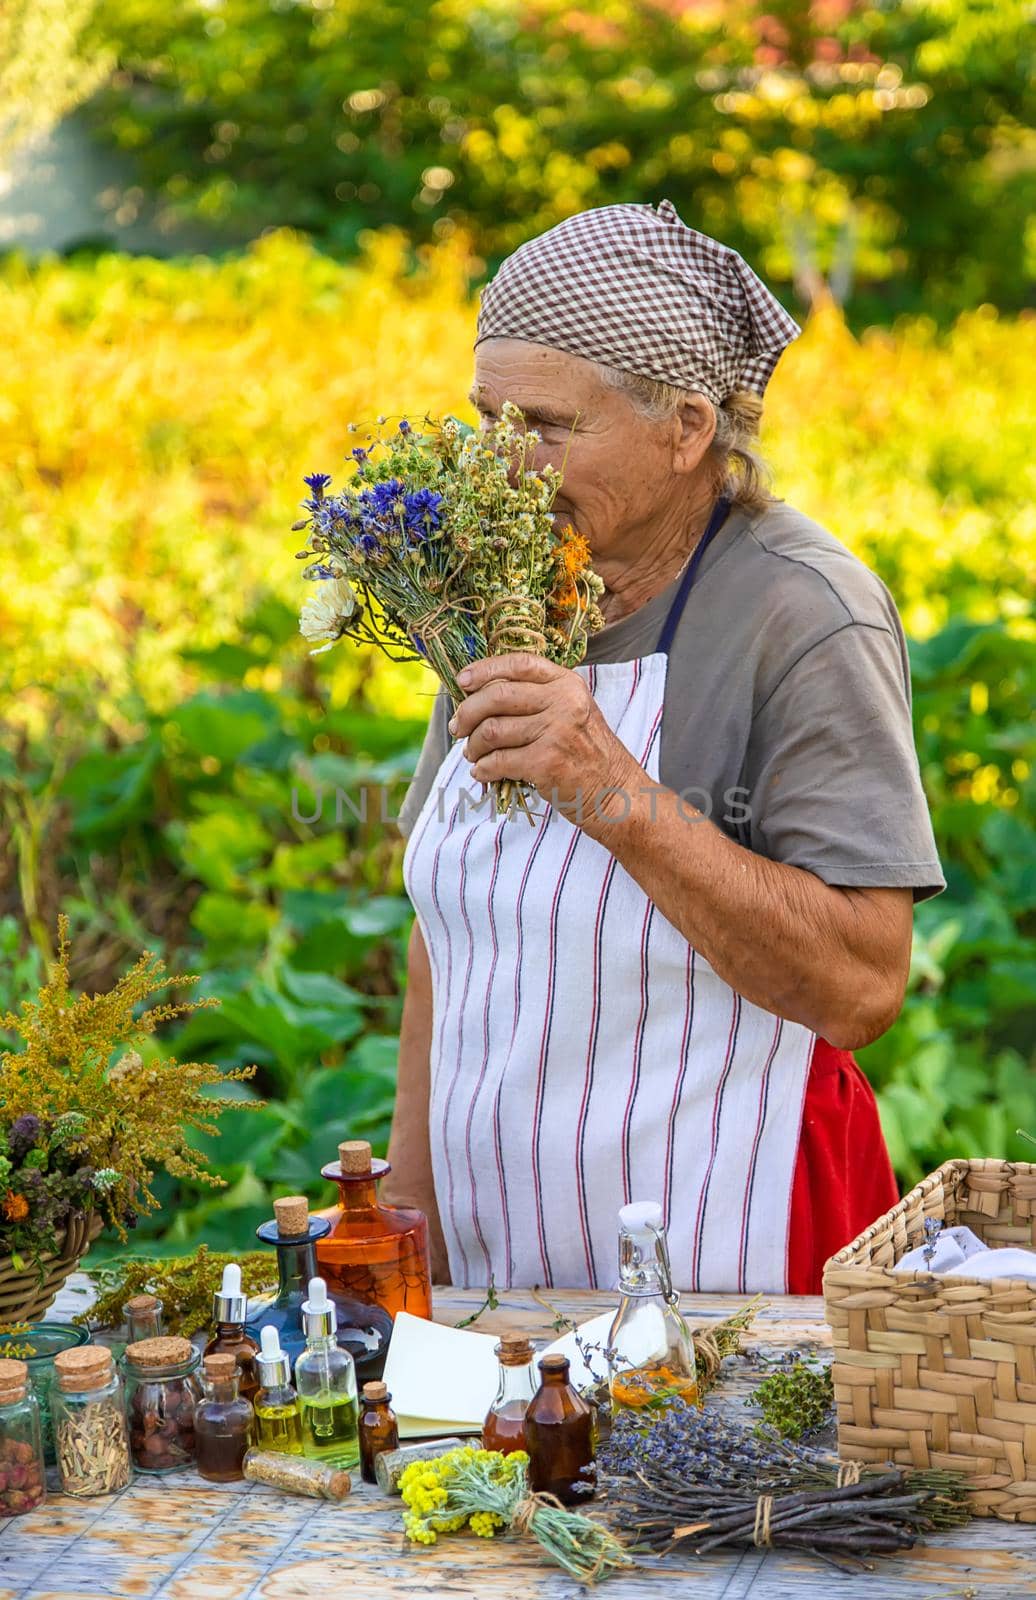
[{"x": 278, "y": 1422}]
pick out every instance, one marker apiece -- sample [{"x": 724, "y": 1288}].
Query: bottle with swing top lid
[
  {"x": 651, "y": 1350},
  {"x": 375, "y": 1252}
]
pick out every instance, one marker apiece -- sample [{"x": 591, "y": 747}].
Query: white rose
[{"x": 326, "y": 615}]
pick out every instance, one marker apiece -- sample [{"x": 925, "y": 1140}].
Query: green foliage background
[{"x": 887, "y": 145}]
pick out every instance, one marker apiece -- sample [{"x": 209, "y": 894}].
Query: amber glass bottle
[
  {"x": 224, "y": 1423},
  {"x": 558, "y": 1434},
  {"x": 504, "y": 1427},
  {"x": 379, "y": 1430},
  {"x": 229, "y": 1308},
  {"x": 374, "y": 1252}
]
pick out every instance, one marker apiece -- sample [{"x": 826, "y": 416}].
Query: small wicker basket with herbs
[{"x": 86, "y": 1121}]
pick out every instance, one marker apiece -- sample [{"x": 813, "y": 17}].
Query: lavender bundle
[
  {"x": 443, "y": 547},
  {"x": 694, "y": 1481}
]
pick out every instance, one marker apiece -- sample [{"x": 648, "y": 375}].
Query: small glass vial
[
  {"x": 379, "y": 1430},
  {"x": 278, "y": 1423},
  {"x": 374, "y": 1252},
  {"x": 229, "y": 1309},
  {"x": 161, "y": 1378},
  {"x": 653, "y": 1352},
  {"x": 559, "y": 1435},
  {"x": 504, "y": 1427},
  {"x": 143, "y": 1318},
  {"x": 224, "y": 1421},
  {"x": 88, "y": 1405},
  {"x": 326, "y": 1382},
  {"x": 21, "y": 1444}
]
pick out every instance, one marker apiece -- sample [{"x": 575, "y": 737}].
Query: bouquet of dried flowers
[
  {"x": 443, "y": 547},
  {"x": 488, "y": 1490},
  {"x": 84, "y": 1121}
]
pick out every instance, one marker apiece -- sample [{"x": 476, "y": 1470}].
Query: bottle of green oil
[
  {"x": 278, "y": 1422},
  {"x": 326, "y": 1382}
]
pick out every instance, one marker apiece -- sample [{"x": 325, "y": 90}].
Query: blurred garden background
[{"x": 285, "y": 209}]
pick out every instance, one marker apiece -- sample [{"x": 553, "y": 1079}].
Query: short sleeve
[
  {"x": 832, "y": 772},
  {"x": 434, "y": 751}
]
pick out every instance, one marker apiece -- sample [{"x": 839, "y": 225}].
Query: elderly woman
[{"x": 653, "y": 992}]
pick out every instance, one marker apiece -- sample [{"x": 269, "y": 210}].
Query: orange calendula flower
[
  {"x": 575, "y": 551},
  {"x": 16, "y": 1207}
]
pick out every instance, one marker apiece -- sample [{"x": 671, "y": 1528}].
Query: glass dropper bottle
[
  {"x": 278, "y": 1422},
  {"x": 229, "y": 1308},
  {"x": 326, "y": 1382}
]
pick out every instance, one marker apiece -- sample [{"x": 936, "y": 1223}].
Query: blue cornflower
[
  {"x": 421, "y": 512},
  {"x": 368, "y": 543},
  {"x": 471, "y": 646},
  {"x": 318, "y": 482},
  {"x": 359, "y": 454},
  {"x": 385, "y": 494},
  {"x": 404, "y": 426},
  {"x": 320, "y": 571},
  {"x": 418, "y": 644}
]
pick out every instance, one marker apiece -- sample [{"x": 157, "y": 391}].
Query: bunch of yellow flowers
[
  {"x": 488, "y": 1490},
  {"x": 463, "y": 1486}
]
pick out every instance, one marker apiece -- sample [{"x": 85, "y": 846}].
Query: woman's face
[{"x": 624, "y": 476}]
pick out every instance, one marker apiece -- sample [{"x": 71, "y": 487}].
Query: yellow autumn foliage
[{"x": 156, "y": 419}]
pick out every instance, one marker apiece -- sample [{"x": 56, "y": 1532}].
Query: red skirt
[{"x": 843, "y": 1176}]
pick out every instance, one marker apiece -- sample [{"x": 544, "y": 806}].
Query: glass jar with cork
[
  {"x": 376, "y": 1253},
  {"x": 161, "y": 1378},
  {"x": 224, "y": 1422},
  {"x": 364, "y": 1330},
  {"x": 143, "y": 1313},
  {"x": 89, "y": 1410},
  {"x": 504, "y": 1427},
  {"x": 22, "y": 1484}
]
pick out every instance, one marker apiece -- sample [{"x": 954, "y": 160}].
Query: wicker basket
[
  {"x": 24, "y": 1295},
  {"x": 935, "y": 1371}
]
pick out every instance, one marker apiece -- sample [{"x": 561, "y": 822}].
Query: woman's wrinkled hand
[{"x": 529, "y": 720}]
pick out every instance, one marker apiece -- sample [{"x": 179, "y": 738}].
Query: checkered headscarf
[{"x": 641, "y": 291}]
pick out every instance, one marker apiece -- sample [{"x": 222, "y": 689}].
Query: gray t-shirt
[{"x": 787, "y": 710}]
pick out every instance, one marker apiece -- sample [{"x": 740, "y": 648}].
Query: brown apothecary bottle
[
  {"x": 379, "y": 1430},
  {"x": 559, "y": 1435},
  {"x": 229, "y": 1310},
  {"x": 375, "y": 1253}
]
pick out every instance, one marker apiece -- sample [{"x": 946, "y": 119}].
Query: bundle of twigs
[{"x": 693, "y": 1481}]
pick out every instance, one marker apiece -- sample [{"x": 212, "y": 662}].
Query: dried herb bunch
[
  {"x": 796, "y": 1400},
  {"x": 184, "y": 1284},
  {"x": 693, "y": 1481},
  {"x": 85, "y": 1122}
]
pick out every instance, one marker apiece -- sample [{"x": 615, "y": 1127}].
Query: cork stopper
[
  {"x": 376, "y": 1393},
  {"x": 355, "y": 1157},
  {"x": 292, "y": 1214},
  {"x": 141, "y": 1304},
  {"x": 514, "y": 1350},
  {"x": 163, "y": 1352},
  {"x": 220, "y": 1365},
  {"x": 14, "y": 1380},
  {"x": 555, "y": 1363},
  {"x": 88, "y": 1367},
  {"x": 338, "y": 1485}
]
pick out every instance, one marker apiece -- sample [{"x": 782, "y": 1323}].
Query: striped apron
[{"x": 583, "y": 1053}]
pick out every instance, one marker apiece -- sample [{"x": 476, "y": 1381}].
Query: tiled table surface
[{"x": 177, "y": 1538}]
